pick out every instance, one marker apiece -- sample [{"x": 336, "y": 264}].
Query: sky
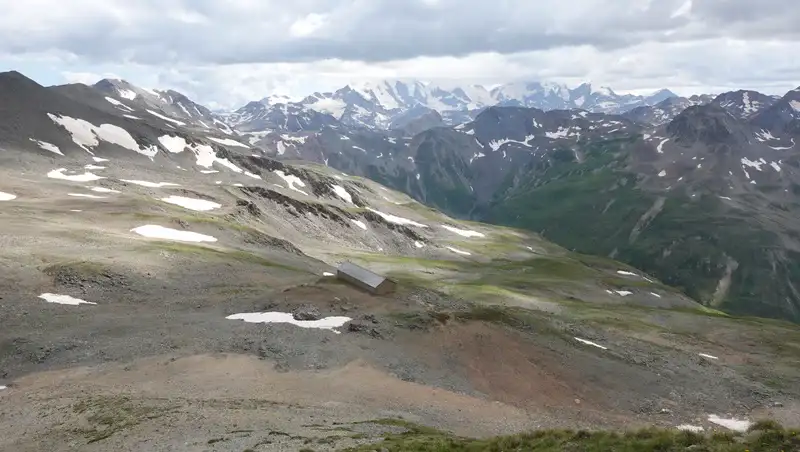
[{"x": 226, "y": 53}]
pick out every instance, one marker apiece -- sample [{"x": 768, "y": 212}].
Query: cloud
[{"x": 228, "y": 52}]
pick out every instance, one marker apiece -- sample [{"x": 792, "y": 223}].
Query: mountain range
[{"x": 700, "y": 192}]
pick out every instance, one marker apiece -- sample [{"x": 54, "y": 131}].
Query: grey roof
[{"x": 362, "y": 274}]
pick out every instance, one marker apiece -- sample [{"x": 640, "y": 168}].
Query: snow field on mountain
[
  {"x": 160, "y": 232},
  {"x": 327, "y": 323},
  {"x": 199, "y": 205}
]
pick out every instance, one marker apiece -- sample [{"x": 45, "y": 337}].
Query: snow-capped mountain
[
  {"x": 744, "y": 104},
  {"x": 378, "y": 105},
  {"x": 664, "y": 111},
  {"x": 169, "y": 103}
]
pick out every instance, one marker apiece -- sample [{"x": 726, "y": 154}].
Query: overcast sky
[{"x": 225, "y": 53}]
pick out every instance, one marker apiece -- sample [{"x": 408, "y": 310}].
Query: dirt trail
[{"x": 236, "y": 392}]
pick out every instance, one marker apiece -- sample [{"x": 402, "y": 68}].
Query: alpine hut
[{"x": 365, "y": 279}]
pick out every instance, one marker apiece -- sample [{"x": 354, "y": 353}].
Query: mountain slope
[{"x": 706, "y": 201}]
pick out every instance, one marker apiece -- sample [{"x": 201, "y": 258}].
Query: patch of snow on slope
[
  {"x": 150, "y": 184},
  {"x": 655, "y": 294},
  {"x": 126, "y": 93},
  {"x": 593, "y": 344},
  {"x": 463, "y": 232},
  {"x": 775, "y": 166},
  {"x": 751, "y": 163},
  {"x": 228, "y": 142},
  {"x": 63, "y": 299},
  {"x": 160, "y": 232},
  {"x": 765, "y": 135},
  {"x": 175, "y": 144},
  {"x": 103, "y": 190},
  {"x": 707, "y": 356},
  {"x": 300, "y": 140},
  {"x": 228, "y": 164},
  {"x": 419, "y": 244},
  {"x": 254, "y": 176},
  {"x": 85, "y": 177},
  {"x": 690, "y": 428},
  {"x": 159, "y": 115},
  {"x": 291, "y": 180},
  {"x": 458, "y": 251},
  {"x": 132, "y": 117},
  {"x": 7, "y": 196},
  {"x": 784, "y": 148},
  {"x": 795, "y": 105},
  {"x": 736, "y": 425},
  {"x": 560, "y": 133},
  {"x": 328, "y": 323},
  {"x": 48, "y": 146},
  {"x": 81, "y": 195},
  {"x": 660, "y": 148},
  {"x": 623, "y": 293},
  {"x": 397, "y": 220},
  {"x": 99, "y": 160},
  {"x": 117, "y": 103},
  {"x": 199, "y": 205},
  {"x": 662, "y": 173},
  {"x": 360, "y": 149},
  {"x": 360, "y": 224},
  {"x": 623, "y": 272},
  {"x": 86, "y": 134},
  {"x": 333, "y": 107},
  {"x": 342, "y": 193},
  {"x": 94, "y": 167},
  {"x": 82, "y": 132}
]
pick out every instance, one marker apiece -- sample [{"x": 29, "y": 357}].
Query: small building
[{"x": 365, "y": 279}]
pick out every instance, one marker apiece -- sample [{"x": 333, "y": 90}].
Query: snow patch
[
  {"x": 458, "y": 251},
  {"x": 360, "y": 224},
  {"x": 200, "y": 205},
  {"x": 175, "y": 144},
  {"x": 87, "y": 135},
  {"x": 150, "y": 184},
  {"x": 48, "y": 146},
  {"x": 660, "y": 148},
  {"x": 81, "y": 195},
  {"x": 327, "y": 274},
  {"x": 623, "y": 272},
  {"x": 228, "y": 142},
  {"x": 160, "y": 232},
  {"x": 117, "y": 103},
  {"x": 63, "y": 299},
  {"x": 397, "y": 220},
  {"x": 99, "y": 160},
  {"x": 737, "y": 425},
  {"x": 254, "y": 176},
  {"x": 7, "y": 196},
  {"x": 418, "y": 244},
  {"x": 132, "y": 117},
  {"x": 707, "y": 356},
  {"x": 655, "y": 294},
  {"x": 593, "y": 344},
  {"x": 291, "y": 180},
  {"x": 103, "y": 190},
  {"x": 662, "y": 173},
  {"x": 328, "y": 323},
  {"x": 463, "y": 232},
  {"x": 623, "y": 293},
  {"x": 342, "y": 193},
  {"x": 690, "y": 428},
  {"x": 159, "y": 115},
  {"x": 85, "y": 177},
  {"x": 209, "y": 171}
]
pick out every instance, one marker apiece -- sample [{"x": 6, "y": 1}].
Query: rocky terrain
[{"x": 166, "y": 286}]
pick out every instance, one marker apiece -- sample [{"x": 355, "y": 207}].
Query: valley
[{"x": 150, "y": 257}]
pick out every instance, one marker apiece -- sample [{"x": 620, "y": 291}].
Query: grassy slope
[
  {"x": 764, "y": 436},
  {"x": 593, "y": 206}
]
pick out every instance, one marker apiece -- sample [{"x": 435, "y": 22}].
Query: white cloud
[
  {"x": 225, "y": 53},
  {"x": 307, "y": 25}
]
